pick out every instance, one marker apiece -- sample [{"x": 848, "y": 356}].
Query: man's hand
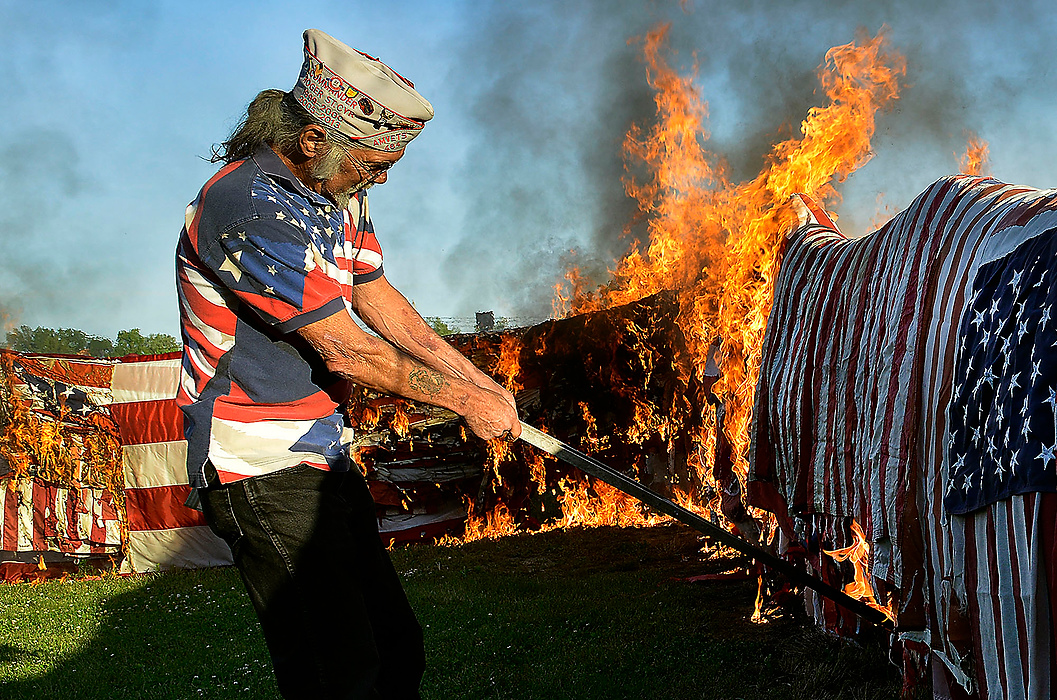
[
  {"x": 485, "y": 382},
  {"x": 491, "y": 415}
]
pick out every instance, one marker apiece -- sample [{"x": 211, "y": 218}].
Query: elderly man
[{"x": 277, "y": 253}]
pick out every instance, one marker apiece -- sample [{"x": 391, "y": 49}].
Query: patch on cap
[{"x": 358, "y": 95}]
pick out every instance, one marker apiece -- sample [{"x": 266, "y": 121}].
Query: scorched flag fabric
[{"x": 58, "y": 445}]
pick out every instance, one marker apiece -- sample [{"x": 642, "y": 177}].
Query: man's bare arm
[
  {"x": 372, "y": 362},
  {"x": 389, "y": 314}
]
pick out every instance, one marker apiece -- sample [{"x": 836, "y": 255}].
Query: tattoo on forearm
[{"x": 427, "y": 381}]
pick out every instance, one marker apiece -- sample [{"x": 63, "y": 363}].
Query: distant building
[{"x": 485, "y": 321}]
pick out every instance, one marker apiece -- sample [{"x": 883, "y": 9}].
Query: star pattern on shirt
[
  {"x": 231, "y": 265},
  {"x": 1046, "y": 455},
  {"x": 274, "y": 260}
]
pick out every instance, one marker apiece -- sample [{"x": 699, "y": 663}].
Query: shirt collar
[{"x": 271, "y": 165}]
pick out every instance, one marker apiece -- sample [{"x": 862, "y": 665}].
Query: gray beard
[
  {"x": 342, "y": 199},
  {"x": 327, "y": 168}
]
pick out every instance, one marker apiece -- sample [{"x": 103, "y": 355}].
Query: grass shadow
[
  {"x": 179, "y": 635},
  {"x": 609, "y": 613},
  {"x": 582, "y": 614}
]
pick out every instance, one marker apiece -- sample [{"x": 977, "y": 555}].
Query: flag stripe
[
  {"x": 10, "y": 531},
  {"x": 155, "y": 464},
  {"x": 181, "y": 548},
  {"x": 160, "y": 508},
  {"x": 142, "y": 422}
]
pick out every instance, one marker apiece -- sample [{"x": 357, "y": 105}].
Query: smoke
[
  {"x": 551, "y": 89},
  {"x": 39, "y": 170},
  {"x": 69, "y": 135},
  {"x": 548, "y": 90}
]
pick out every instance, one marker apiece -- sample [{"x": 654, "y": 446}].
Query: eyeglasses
[{"x": 371, "y": 171}]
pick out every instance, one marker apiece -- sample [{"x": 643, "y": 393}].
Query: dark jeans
[{"x": 335, "y": 617}]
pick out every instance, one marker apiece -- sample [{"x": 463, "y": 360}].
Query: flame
[
  {"x": 605, "y": 506},
  {"x": 499, "y": 450},
  {"x": 401, "y": 420},
  {"x": 498, "y": 522},
  {"x": 718, "y": 242},
  {"x": 858, "y": 553},
  {"x": 591, "y": 440},
  {"x": 506, "y": 367},
  {"x": 537, "y": 470},
  {"x": 974, "y": 161},
  {"x": 687, "y": 500},
  {"x": 509, "y": 364},
  {"x": 759, "y": 614}
]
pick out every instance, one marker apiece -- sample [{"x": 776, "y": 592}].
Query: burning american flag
[{"x": 906, "y": 386}]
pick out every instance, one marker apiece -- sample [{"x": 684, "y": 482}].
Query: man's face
[{"x": 359, "y": 169}]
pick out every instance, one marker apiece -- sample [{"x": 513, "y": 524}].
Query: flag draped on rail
[
  {"x": 162, "y": 531},
  {"x": 908, "y": 383}
]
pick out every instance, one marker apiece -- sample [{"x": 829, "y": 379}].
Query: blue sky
[{"x": 109, "y": 108}]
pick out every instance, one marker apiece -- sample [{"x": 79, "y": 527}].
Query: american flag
[
  {"x": 910, "y": 366},
  {"x": 67, "y": 403},
  {"x": 1003, "y": 414}
]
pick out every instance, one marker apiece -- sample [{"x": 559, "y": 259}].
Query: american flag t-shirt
[
  {"x": 260, "y": 257},
  {"x": 1002, "y": 421}
]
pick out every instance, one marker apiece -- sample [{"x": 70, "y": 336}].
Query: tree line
[{"x": 71, "y": 341}]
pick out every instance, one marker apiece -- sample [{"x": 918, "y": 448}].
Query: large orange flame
[{"x": 718, "y": 242}]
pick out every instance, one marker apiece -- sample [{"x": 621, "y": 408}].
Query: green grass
[{"x": 603, "y": 613}]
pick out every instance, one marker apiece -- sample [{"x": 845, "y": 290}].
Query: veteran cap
[{"x": 358, "y": 95}]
